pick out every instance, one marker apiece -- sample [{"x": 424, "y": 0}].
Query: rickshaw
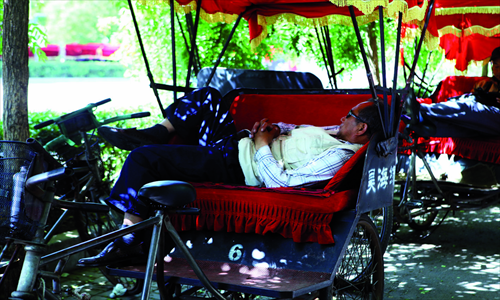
[
  {"x": 238, "y": 244},
  {"x": 448, "y": 181},
  {"x": 236, "y": 241}
]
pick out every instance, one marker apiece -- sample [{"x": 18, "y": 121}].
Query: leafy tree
[
  {"x": 82, "y": 22},
  {"x": 15, "y": 70}
]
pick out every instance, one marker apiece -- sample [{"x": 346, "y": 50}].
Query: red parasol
[{"x": 467, "y": 30}]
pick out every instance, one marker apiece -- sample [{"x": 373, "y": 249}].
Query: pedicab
[
  {"x": 457, "y": 174},
  {"x": 241, "y": 241}
]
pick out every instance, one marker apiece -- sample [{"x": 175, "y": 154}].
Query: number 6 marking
[{"x": 235, "y": 252}]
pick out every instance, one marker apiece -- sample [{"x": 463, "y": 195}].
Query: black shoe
[
  {"x": 126, "y": 139},
  {"x": 113, "y": 254},
  {"x": 412, "y": 107}
]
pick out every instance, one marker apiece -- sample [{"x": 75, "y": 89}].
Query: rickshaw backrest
[
  {"x": 226, "y": 80},
  {"x": 453, "y": 86},
  {"x": 313, "y": 109}
]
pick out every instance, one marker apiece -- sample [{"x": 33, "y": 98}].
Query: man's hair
[{"x": 370, "y": 114}]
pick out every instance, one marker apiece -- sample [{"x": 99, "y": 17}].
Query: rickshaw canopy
[
  {"x": 262, "y": 13},
  {"x": 466, "y": 30}
]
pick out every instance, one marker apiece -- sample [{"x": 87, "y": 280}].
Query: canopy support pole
[
  {"x": 324, "y": 56},
  {"x": 367, "y": 66},
  {"x": 224, "y": 49},
  {"x": 384, "y": 74},
  {"x": 423, "y": 74},
  {"x": 420, "y": 42},
  {"x": 174, "y": 60},
  {"x": 395, "y": 79},
  {"x": 193, "y": 43},
  {"x": 329, "y": 55},
  {"x": 148, "y": 69}
]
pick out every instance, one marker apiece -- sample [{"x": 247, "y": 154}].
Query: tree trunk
[
  {"x": 15, "y": 70},
  {"x": 373, "y": 54}
]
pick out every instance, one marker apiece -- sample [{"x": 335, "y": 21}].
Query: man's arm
[
  {"x": 285, "y": 128},
  {"x": 321, "y": 168}
]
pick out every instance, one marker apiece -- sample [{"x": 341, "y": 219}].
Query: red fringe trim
[
  {"x": 292, "y": 216},
  {"x": 480, "y": 149}
]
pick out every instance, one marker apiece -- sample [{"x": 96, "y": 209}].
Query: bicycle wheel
[
  {"x": 361, "y": 273},
  {"x": 383, "y": 219},
  {"x": 88, "y": 186},
  {"x": 417, "y": 208}
]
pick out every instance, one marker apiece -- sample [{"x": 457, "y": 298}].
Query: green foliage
[
  {"x": 76, "y": 69},
  {"x": 81, "y": 22},
  {"x": 37, "y": 38},
  {"x": 1, "y": 28},
  {"x": 155, "y": 27}
]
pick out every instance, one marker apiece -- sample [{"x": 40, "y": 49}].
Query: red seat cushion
[{"x": 301, "y": 214}]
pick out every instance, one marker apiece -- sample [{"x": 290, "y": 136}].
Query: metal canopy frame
[{"x": 387, "y": 114}]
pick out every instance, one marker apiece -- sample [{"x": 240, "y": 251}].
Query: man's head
[
  {"x": 361, "y": 122},
  {"x": 495, "y": 60}
]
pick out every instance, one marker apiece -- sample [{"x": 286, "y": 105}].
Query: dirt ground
[{"x": 459, "y": 260}]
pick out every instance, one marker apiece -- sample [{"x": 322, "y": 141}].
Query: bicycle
[{"x": 78, "y": 194}]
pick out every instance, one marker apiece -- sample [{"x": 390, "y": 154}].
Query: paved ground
[
  {"x": 90, "y": 281},
  {"x": 460, "y": 260}
]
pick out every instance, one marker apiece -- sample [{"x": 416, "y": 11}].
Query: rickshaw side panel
[{"x": 377, "y": 182}]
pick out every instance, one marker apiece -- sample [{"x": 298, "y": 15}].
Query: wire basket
[{"x": 19, "y": 210}]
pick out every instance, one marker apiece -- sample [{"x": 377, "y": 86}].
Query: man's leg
[
  {"x": 162, "y": 162},
  {"x": 200, "y": 117},
  {"x": 171, "y": 162},
  {"x": 463, "y": 117}
]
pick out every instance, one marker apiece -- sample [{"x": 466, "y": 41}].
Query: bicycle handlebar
[
  {"x": 140, "y": 115},
  {"x": 70, "y": 115},
  {"x": 43, "y": 124},
  {"x": 102, "y": 102},
  {"x": 82, "y": 120}
]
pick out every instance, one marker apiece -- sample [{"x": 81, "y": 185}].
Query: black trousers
[{"x": 215, "y": 159}]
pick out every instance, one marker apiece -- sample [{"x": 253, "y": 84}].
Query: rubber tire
[
  {"x": 361, "y": 271},
  {"x": 383, "y": 219}
]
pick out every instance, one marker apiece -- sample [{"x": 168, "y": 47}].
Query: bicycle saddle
[{"x": 170, "y": 193}]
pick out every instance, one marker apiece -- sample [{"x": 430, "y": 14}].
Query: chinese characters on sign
[{"x": 380, "y": 179}]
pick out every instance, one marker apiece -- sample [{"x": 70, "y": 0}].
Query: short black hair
[
  {"x": 495, "y": 54},
  {"x": 371, "y": 115}
]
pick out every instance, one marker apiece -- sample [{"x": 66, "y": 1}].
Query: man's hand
[{"x": 263, "y": 133}]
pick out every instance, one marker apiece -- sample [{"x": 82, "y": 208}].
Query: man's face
[
  {"x": 495, "y": 68},
  {"x": 350, "y": 126}
]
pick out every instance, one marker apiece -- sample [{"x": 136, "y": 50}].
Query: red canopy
[
  {"x": 261, "y": 13},
  {"x": 468, "y": 30}
]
